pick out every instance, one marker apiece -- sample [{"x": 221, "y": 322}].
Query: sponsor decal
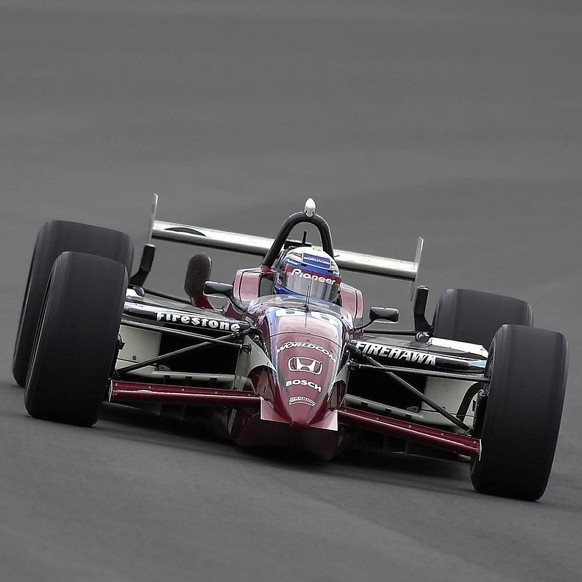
[
  {"x": 300, "y": 364},
  {"x": 316, "y": 278},
  {"x": 306, "y": 345},
  {"x": 315, "y": 259},
  {"x": 197, "y": 321},
  {"x": 313, "y": 385},
  {"x": 397, "y": 353},
  {"x": 301, "y": 400}
]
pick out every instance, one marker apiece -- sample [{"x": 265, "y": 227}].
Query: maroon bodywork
[{"x": 297, "y": 401}]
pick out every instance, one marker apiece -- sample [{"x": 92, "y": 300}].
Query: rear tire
[
  {"x": 475, "y": 316},
  {"x": 76, "y": 340},
  {"x": 520, "y": 412},
  {"x": 54, "y": 238}
]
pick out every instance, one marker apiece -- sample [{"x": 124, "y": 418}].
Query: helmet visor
[{"x": 310, "y": 284}]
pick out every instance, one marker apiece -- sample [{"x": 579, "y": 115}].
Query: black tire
[
  {"x": 54, "y": 238},
  {"x": 519, "y": 415},
  {"x": 475, "y": 316},
  {"x": 76, "y": 340}
]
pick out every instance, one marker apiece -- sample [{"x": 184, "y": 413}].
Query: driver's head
[{"x": 309, "y": 272}]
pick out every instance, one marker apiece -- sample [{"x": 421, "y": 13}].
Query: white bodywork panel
[
  {"x": 457, "y": 345},
  {"x": 449, "y": 394},
  {"x": 138, "y": 345}
]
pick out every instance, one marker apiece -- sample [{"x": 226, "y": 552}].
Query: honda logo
[{"x": 300, "y": 364}]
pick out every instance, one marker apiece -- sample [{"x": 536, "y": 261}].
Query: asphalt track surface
[{"x": 460, "y": 122}]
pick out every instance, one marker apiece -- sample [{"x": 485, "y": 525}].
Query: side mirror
[
  {"x": 384, "y": 314},
  {"x": 214, "y": 288}
]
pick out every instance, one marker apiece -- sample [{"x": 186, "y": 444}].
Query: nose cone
[
  {"x": 294, "y": 429},
  {"x": 305, "y": 349},
  {"x": 299, "y": 412},
  {"x": 306, "y": 370}
]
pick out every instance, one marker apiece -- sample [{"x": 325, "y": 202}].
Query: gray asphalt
[{"x": 460, "y": 122}]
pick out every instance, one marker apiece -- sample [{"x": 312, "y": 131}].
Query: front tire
[
  {"x": 54, "y": 238},
  {"x": 520, "y": 411},
  {"x": 76, "y": 340}
]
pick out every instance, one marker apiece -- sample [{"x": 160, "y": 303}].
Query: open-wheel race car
[{"x": 287, "y": 358}]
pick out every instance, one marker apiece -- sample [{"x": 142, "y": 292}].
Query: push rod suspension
[{"x": 373, "y": 363}]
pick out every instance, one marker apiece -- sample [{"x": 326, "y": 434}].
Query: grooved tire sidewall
[
  {"x": 523, "y": 412},
  {"x": 75, "y": 344},
  {"x": 54, "y": 238}
]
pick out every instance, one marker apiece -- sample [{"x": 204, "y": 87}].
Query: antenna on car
[{"x": 307, "y": 296}]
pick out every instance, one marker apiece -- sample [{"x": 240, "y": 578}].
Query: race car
[{"x": 283, "y": 356}]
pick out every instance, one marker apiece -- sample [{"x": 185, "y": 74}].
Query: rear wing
[{"x": 261, "y": 246}]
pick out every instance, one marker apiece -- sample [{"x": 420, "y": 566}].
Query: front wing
[{"x": 122, "y": 392}]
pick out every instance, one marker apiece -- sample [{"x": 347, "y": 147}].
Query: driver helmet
[{"x": 309, "y": 272}]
